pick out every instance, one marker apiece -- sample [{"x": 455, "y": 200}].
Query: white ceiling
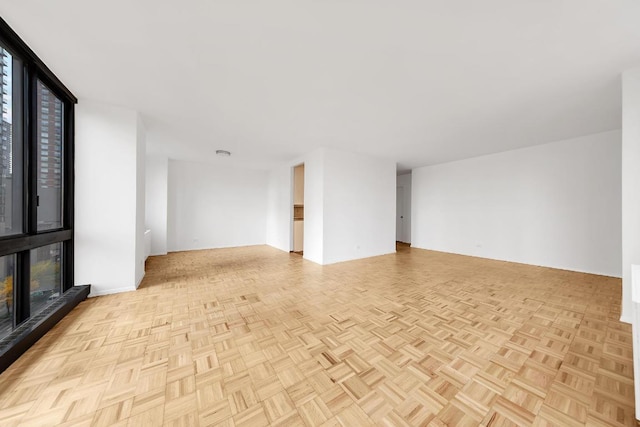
[{"x": 419, "y": 81}]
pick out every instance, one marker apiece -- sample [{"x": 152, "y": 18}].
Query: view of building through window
[
  {"x": 10, "y": 213},
  {"x": 10, "y": 147},
  {"x": 49, "y": 135},
  {"x": 46, "y": 282}
]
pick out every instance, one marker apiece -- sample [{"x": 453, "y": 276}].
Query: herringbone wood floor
[{"x": 254, "y": 336}]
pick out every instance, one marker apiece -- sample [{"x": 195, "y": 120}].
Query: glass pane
[
  {"x": 49, "y": 148},
  {"x": 46, "y": 280},
  {"x": 10, "y": 144},
  {"x": 7, "y": 264}
]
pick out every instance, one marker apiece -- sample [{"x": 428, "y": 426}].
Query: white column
[
  {"x": 109, "y": 217},
  {"x": 631, "y": 214},
  {"x": 156, "y": 202},
  {"x": 630, "y": 185}
]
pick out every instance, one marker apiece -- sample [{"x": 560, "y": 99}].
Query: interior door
[{"x": 400, "y": 214}]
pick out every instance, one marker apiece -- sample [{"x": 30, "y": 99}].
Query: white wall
[
  {"x": 314, "y": 196},
  {"x": 630, "y": 184},
  {"x": 404, "y": 181},
  {"x": 555, "y": 205},
  {"x": 631, "y": 214},
  {"x": 279, "y": 208},
  {"x": 107, "y": 214},
  {"x": 141, "y": 151},
  {"x": 214, "y": 207},
  {"x": 157, "y": 173},
  {"x": 349, "y": 206},
  {"x": 359, "y": 206}
]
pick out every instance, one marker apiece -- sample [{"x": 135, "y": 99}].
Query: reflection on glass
[
  {"x": 49, "y": 148},
  {"x": 10, "y": 144},
  {"x": 46, "y": 281},
  {"x": 7, "y": 264}
]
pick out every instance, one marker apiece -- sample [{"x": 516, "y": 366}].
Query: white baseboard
[
  {"x": 141, "y": 279},
  {"x": 100, "y": 293},
  {"x": 626, "y": 319}
]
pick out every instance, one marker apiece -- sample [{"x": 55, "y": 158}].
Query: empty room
[{"x": 359, "y": 213}]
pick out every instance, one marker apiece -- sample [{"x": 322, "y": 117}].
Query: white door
[{"x": 400, "y": 214}]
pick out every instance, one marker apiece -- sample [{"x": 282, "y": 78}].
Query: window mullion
[
  {"x": 31, "y": 208},
  {"x": 68, "y": 192}
]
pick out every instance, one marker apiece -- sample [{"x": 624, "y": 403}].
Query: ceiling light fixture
[{"x": 223, "y": 153}]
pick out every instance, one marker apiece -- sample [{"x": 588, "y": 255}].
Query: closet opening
[{"x": 298, "y": 209}]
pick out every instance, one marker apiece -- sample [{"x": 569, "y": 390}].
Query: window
[
  {"x": 49, "y": 181},
  {"x": 36, "y": 186},
  {"x": 7, "y": 268},
  {"x": 45, "y": 284},
  {"x": 12, "y": 144}
]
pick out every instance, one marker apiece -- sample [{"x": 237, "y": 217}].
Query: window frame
[{"x": 20, "y": 244}]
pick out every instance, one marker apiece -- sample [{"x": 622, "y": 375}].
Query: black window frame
[{"x": 34, "y": 70}]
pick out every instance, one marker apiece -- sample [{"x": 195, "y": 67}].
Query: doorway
[
  {"x": 400, "y": 214},
  {"x": 403, "y": 208},
  {"x": 298, "y": 209}
]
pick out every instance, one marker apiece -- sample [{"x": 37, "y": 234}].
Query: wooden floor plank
[{"x": 254, "y": 336}]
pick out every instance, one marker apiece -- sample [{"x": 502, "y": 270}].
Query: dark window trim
[
  {"x": 31, "y": 326},
  {"x": 21, "y": 243}
]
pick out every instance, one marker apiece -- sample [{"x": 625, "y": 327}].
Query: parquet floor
[{"x": 254, "y": 336}]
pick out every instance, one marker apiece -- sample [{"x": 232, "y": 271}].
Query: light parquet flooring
[{"x": 254, "y": 336}]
